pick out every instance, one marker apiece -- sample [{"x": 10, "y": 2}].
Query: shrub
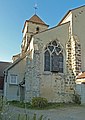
[
  {"x": 17, "y": 103},
  {"x": 39, "y": 102},
  {"x": 76, "y": 99}
]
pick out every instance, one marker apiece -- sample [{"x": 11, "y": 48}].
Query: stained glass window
[
  {"x": 47, "y": 61},
  {"x": 54, "y": 62},
  {"x": 53, "y": 57}
]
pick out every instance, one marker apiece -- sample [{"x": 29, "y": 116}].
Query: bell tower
[{"x": 31, "y": 27}]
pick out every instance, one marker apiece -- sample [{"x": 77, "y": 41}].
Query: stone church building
[{"x": 49, "y": 60}]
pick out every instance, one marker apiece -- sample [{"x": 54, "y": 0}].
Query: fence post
[
  {"x": 26, "y": 116},
  {"x": 19, "y": 117},
  {"x": 34, "y": 117}
]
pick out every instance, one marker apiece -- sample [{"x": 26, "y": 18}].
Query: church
[{"x": 49, "y": 60}]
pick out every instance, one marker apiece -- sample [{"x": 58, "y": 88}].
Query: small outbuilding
[{"x": 80, "y": 86}]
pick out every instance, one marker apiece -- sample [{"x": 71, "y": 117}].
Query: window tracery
[{"x": 53, "y": 57}]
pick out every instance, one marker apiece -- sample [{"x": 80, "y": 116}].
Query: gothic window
[
  {"x": 53, "y": 57},
  {"x": 47, "y": 61}
]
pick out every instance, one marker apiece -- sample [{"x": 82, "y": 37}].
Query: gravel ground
[{"x": 65, "y": 113}]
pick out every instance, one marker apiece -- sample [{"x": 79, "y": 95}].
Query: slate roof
[{"x": 3, "y": 66}]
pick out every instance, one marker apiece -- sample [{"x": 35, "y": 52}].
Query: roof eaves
[
  {"x": 33, "y": 22},
  {"x": 77, "y": 8},
  {"x": 16, "y": 62},
  {"x": 38, "y": 23},
  {"x": 13, "y": 64},
  {"x": 64, "y": 17},
  {"x": 16, "y": 55}
]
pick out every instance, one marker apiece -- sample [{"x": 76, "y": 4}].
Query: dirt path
[{"x": 66, "y": 113}]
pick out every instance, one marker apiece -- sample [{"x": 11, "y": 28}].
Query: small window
[
  {"x": 13, "y": 79},
  {"x": 37, "y": 29}
]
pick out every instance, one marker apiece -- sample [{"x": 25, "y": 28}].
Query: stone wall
[
  {"x": 32, "y": 78},
  {"x": 78, "y": 55},
  {"x": 74, "y": 55},
  {"x": 56, "y": 87},
  {"x": 68, "y": 52},
  {"x": 28, "y": 79}
]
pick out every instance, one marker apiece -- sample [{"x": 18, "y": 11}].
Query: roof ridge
[{"x": 77, "y": 7}]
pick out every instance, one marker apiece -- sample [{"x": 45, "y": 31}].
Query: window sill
[
  {"x": 47, "y": 73},
  {"x": 50, "y": 73},
  {"x": 13, "y": 84}
]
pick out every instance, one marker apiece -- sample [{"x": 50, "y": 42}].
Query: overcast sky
[{"x": 13, "y": 14}]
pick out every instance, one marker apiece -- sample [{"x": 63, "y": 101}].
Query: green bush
[
  {"x": 39, "y": 102},
  {"x": 17, "y": 103},
  {"x": 76, "y": 99}
]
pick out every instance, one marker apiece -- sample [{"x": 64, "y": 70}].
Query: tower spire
[{"x": 35, "y": 7}]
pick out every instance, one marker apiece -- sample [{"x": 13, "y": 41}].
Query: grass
[
  {"x": 49, "y": 106},
  {"x": 19, "y": 104},
  {"x": 29, "y": 106}
]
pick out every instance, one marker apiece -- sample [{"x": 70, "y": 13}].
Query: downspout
[{"x": 5, "y": 84}]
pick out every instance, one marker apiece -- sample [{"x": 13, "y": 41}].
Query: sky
[{"x": 13, "y": 14}]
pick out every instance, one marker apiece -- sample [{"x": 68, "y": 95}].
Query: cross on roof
[{"x": 35, "y": 7}]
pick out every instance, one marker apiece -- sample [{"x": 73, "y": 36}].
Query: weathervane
[{"x": 35, "y": 7}]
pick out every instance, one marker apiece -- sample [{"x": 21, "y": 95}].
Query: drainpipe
[{"x": 5, "y": 84}]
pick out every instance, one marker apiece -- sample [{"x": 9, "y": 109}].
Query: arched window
[
  {"x": 53, "y": 57},
  {"x": 37, "y": 29},
  {"x": 47, "y": 61}
]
